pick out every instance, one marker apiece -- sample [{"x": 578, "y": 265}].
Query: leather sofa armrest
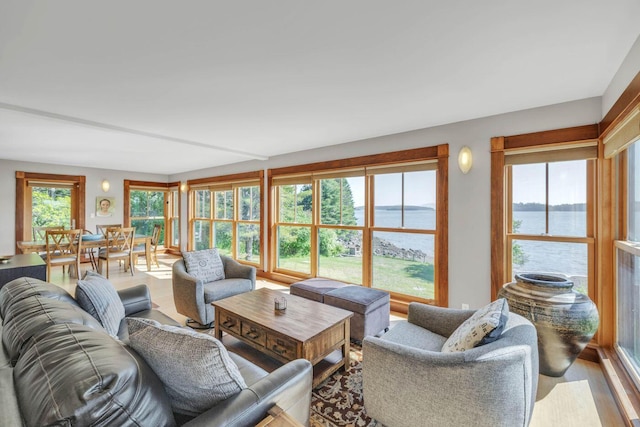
[
  {"x": 135, "y": 299},
  {"x": 289, "y": 387}
]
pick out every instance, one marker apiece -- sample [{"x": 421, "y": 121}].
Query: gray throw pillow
[
  {"x": 97, "y": 296},
  {"x": 195, "y": 368},
  {"x": 484, "y": 326},
  {"x": 205, "y": 265}
]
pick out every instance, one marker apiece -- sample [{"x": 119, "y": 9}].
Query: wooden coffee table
[{"x": 306, "y": 329}]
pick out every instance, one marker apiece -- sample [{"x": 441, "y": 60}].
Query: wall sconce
[
  {"x": 105, "y": 185},
  {"x": 184, "y": 187},
  {"x": 465, "y": 159}
]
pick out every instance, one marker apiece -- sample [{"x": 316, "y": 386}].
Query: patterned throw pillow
[
  {"x": 205, "y": 265},
  {"x": 97, "y": 296},
  {"x": 195, "y": 368},
  {"x": 485, "y": 326}
]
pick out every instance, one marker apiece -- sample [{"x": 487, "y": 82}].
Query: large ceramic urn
[{"x": 566, "y": 320}]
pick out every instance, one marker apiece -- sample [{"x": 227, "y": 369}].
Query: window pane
[
  {"x": 403, "y": 263},
  {"x": 340, "y": 255},
  {"x": 51, "y": 207},
  {"x": 139, "y": 202},
  {"x": 352, "y": 199},
  {"x": 420, "y": 200},
  {"x": 388, "y": 200},
  {"x": 529, "y": 198},
  {"x": 249, "y": 203},
  {"x": 175, "y": 204},
  {"x": 224, "y": 204},
  {"x": 201, "y": 234},
  {"x": 156, "y": 203},
  {"x": 249, "y": 242},
  {"x": 222, "y": 237},
  {"x": 628, "y": 307},
  {"x": 570, "y": 259},
  {"x": 203, "y": 204},
  {"x": 633, "y": 195},
  {"x": 175, "y": 227},
  {"x": 295, "y": 202},
  {"x": 294, "y": 248},
  {"x": 337, "y": 201},
  {"x": 568, "y": 198}
]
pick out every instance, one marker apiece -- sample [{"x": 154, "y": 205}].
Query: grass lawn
[{"x": 391, "y": 274}]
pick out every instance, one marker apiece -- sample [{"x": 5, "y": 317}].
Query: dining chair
[
  {"x": 141, "y": 249},
  {"x": 39, "y": 233},
  {"x": 119, "y": 246},
  {"x": 63, "y": 248},
  {"x": 102, "y": 228}
]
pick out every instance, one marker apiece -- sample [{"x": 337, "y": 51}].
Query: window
[
  {"x": 225, "y": 213},
  {"x": 172, "y": 236},
  {"x": 46, "y": 200},
  {"x": 622, "y": 144},
  {"x": 543, "y": 204},
  {"x": 404, "y": 228},
  {"x": 372, "y": 222},
  {"x": 147, "y": 210},
  {"x": 147, "y": 204}
]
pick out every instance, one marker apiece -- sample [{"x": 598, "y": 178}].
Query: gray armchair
[
  {"x": 408, "y": 381},
  {"x": 193, "y": 297}
]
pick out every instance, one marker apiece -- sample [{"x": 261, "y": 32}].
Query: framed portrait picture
[{"x": 105, "y": 206}]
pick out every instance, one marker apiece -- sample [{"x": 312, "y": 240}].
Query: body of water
[{"x": 565, "y": 258}]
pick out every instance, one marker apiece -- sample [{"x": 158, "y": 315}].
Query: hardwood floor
[{"x": 580, "y": 398}]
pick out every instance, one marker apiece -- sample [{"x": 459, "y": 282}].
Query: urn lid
[{"x": 545, "y": 280}]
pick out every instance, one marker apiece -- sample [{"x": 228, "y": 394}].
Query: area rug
[{"x": 338, "y": 402}]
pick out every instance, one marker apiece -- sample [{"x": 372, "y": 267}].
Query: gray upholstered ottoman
[
  {"x": 315, "y": 289},
  {"x": 370, "y": 308}
]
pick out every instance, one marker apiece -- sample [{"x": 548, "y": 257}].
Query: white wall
[
  {"x": 469, "y": 195},
  {"x": 94, "y": 178}
]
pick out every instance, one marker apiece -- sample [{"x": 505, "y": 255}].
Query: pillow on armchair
[
  {"x": 484, "y": 326},
  {"x": 205, "y": 265}
]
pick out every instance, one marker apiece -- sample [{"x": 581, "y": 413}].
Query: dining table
[{"x": 89, "y": 241}]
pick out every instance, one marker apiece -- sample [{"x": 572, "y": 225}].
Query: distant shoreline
[{"x": 397, "y": 208}]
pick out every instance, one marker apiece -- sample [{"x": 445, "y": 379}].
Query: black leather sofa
[{"x": 59, "y": 367}]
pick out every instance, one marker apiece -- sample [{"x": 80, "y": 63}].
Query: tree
[
  {"x": 517, "y": 254},
  {"x": 51, "y": 207}
]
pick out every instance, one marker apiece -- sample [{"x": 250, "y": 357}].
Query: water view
[{"x": 565, "y": 258}]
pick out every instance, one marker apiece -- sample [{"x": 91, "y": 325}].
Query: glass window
[
  {"x": 50, "y": 207},
  {"x": 549, "y": 220},
  {"x": 235, "y": 227},
  {"x": 294, "y": 249},
  {"x": 403, "y": 260},
  {"x": 147, "y": 210}
]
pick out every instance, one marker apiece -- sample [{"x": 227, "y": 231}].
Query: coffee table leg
[
  {"x": 347, "y": 343},
  {"x": 217, "y": 330}
]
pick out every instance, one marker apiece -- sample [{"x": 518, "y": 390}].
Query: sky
[
  {"x": 567, "y": 183},
  {"x": 420, "y": 189}
]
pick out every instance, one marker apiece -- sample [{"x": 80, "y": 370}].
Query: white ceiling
[{"x": 160, "y": 86}]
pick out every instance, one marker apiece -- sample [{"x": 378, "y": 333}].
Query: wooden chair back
[
  {"x": 39, "y": 233},
  {"x": 63, "y": 248},
  {"x": 102, "y": 228},
  {"x": 120, "y": 239}
]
